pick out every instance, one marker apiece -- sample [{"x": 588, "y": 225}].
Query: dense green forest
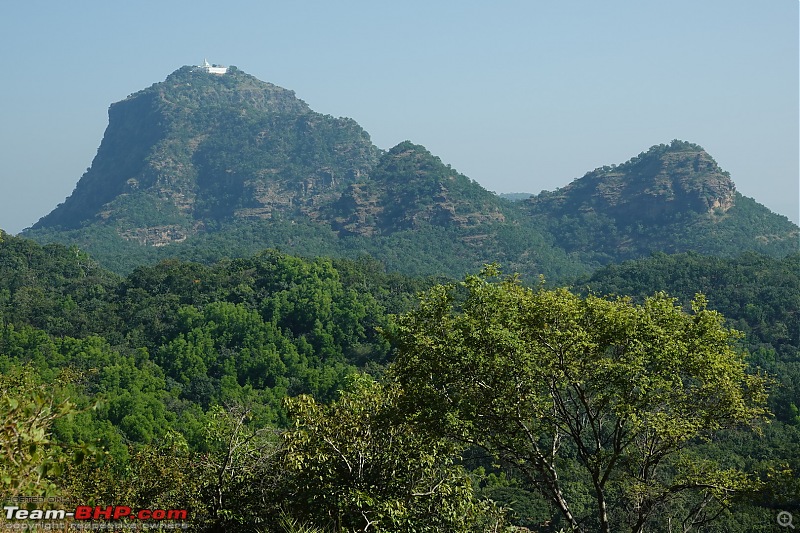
[{"x": 277, "y": 393}]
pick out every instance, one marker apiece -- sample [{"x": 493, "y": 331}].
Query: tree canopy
[
  {"x": 538, "y": 376},
  {"x": 223, "y": 389}
]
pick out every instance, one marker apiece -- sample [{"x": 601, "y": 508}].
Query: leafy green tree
[
  {"x": 356, "y": 465},
  {"x": 162, "y": 475},
  {"x": 758, "y": 295},
  {"x": 547, "y": 380},
  {"x": 30, "y": 458}
]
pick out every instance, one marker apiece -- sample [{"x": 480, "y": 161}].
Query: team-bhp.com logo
[{"x": 86, "y": 512}]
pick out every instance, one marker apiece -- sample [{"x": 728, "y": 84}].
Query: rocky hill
[
  {"x": 410, "y": 188},
  {"x": 204, "y": 166},
  {"x": 672, "y": 198},
  {"x": 199, "y": 147}
]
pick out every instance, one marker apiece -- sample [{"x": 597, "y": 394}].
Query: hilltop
[{"x": 671, "y": 198}]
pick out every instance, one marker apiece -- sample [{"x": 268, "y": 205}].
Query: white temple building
[{"x": 212, "y": 69}]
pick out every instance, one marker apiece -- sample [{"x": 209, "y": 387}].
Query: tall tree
[{"x": 538, "y": 376}]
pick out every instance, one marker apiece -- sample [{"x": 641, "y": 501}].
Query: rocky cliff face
[
  {"x": 672, "y": 198},
  {"x": 410, "y": 188},
  {"x": 666, "y": 181},
  {"x": 199, "y": 147}
]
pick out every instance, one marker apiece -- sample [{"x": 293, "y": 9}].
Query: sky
[{"x": 521, "y": 96}]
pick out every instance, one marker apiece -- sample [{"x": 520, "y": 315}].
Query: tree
[
  {"x": 240, "y": 463},
  {"x": 30, "y": 459},
  {"x": 355, "y": 465},
  {"x": 546, "y": 380},
  {"x": 161, "y": 475}
]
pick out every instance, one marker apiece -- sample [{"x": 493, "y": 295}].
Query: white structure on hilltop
[{"x": 212, "y": 69}]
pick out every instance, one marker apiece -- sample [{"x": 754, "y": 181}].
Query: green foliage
[
  {"x": 534, "y": 375},
  {"x": 31, "y": 460},
  {"x": 52, "y": 287},
  {"x": 161, "y": 475},
  {"x": 292, "y": 525},
  {"x": 227, "y": 486},
  {"x": 242, "y": 469},
  {"x": 757, "y": 294},
  {"x": 155, "y": 364},
  {"x": 356, "y": 464}
]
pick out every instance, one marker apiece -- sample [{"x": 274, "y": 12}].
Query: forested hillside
[
  {"x": 759, "y": 295},
  {"x": 264, "y": 393}
]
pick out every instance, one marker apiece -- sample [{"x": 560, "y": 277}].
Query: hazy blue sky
[{"x": 518, "y": 95}]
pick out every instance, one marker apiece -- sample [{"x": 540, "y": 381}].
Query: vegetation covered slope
[
  {"x": 759, "y": 295},
  {"x": 197, "y": 148}
]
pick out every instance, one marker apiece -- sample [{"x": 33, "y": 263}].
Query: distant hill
[
  {"x": 204, "y": 166},
  {"x": 672, "y": 198}
]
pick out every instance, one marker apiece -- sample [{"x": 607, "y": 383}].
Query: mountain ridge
[{"x": 201, "y": 154}]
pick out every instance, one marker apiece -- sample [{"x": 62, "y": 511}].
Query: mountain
[
  {"x": 672, "y": 198},
  {"x": 410, "y": 188},
  {"x": 203, "y": 166},
  {"x": 201, "y": 147},
  {"x": 412, "y": 212}
]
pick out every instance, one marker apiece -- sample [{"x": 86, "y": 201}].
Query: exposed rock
[
  {"x": 663, "y": 182},
  {"x": 155, "y": 235}
]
